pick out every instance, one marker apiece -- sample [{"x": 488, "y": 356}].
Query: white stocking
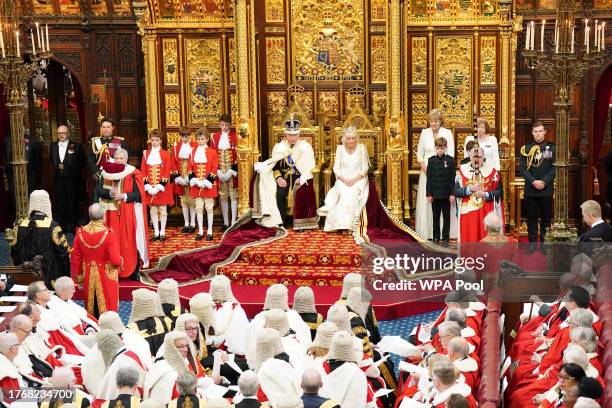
[
  {"x": 185, "y": 208},
  {"x": 234, "y": 209},
  {"x": 164, "y": 218},
  {"x": 155, "y": 220},
  {"x": 200, "y": 223},
  {"x": 193, "y": 216},
  {"x": 224, "y": 210},
  {"x": 210, "y": 216}
]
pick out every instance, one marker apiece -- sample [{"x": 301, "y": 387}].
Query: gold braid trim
[
  {"x": 95, "y": 246},
  {"x": 531, "y": 155},
  {"x": 58, "y": 237},
  {"x": 330, "y": 403}
]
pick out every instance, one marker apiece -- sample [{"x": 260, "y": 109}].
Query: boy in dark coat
[{"x": 440, "y": 188}]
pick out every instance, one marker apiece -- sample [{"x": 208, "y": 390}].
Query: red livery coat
[
  {"x": 158, "y": 174},
  {"x": 201, "y": 171}
]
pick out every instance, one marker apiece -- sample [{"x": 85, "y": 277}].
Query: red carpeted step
[
  {"x": 176, "y": 241},
  {"x": 292, "y": 275},
  {"x": 308, "y": 248}
]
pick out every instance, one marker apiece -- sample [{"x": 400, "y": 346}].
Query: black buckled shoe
[
  {"x": 185, "y": 230},
  {"x": 155, "y": 238},
  {"x": 162, "y": 238},
  {"x": 191, "y": 229},
  {"x": 199, "y": 237},
  {"x": 209, "y": 237}
]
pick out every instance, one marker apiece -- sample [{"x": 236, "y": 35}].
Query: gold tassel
[
  {"x": 290, "y": 198},
  {"x": 595, "y": 182}
]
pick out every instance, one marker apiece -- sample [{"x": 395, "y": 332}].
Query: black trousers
[
  {"x": 281, "y": 201},
  {"x": 66, "y": 202},
  {"x": 441, "y": 205},
  {"x": 538, "y": 207}
]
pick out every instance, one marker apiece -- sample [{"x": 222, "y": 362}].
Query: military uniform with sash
[
  {"x": 537, "y": 163},
  {"x": 100, "y": 151}
]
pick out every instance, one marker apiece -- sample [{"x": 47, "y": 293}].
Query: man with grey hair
[
  {"x": 127, "y": 388},
  {"x": 35, "y": 361},
  {"x": 186, "y": 384},
  {"x": 94, "y": 262},
  {"x": 248, "y": 385},
  {"x": 55, "y": 335},
  {"x": 10, "y": 380},
  {"x": 121, "y": 192},
  {"x": 72, "y": 317},
  {"x": 68, "y": 159},
  {"x": 311, "y": 383},
  {"x": 64, "y": 378},
  {"x": 600, "y": 231},
  {"x": 459, "y": 353}
]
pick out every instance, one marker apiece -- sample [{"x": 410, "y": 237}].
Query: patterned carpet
[
  {"x": 175, "y": 241},
  {"x": 309, "y": 258}
]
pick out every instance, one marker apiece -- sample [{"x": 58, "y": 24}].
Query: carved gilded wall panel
[
  {"x": 488, "y": 57},
  {"x": 459, "y": 145},
  {"x": 378, "y": 10},
  {"x": 231, "y": 44},
  {"x": 205, "y": 80},
  {"x": 328, "y": 104},
  {"x": 604, "y": 4},
  {"x": 277, "y": 105},
  {"x": 453, "y": 73},
  {"x": 233, "y": 105},
  {"x": 46, "y": 7},
  {"x": 419, "y": 110},
  {"x": 378, "y": 59},
  {"x": 275, "y": 60},
  {"x": 275, "y": 11},
  {"x": 350, "y": 100},
  {"x": 487, "y": 107},
  {"x": 172, "y": 103},
  {"x": 306, "y": 104},
  {"x": 122, "y": 7},
  {"x": 327, "y": 39},
  {"x": 69, "y": 7},
  {"x": 414, "y": 144},
  {"x": 170, "y": 58},
  {"x": 171, "y": 138},
  {"x": 419, "y": 60},
  {"x": 379, "y": 104}
]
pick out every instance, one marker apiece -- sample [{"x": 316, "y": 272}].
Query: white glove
[
  {"x": 233, "y": 173},
  {"x": 193, "y": 182},
  {"x": 259, "y": 166},
  {"x": 221, "y": 175},
  {"x": 160, "y": 188},
  {"x": 227, "y": 176},
  {"x": 150, "y": 190},
  {"x": 185, "y": 181},
  {"x": 207, "y": 184},
  {"x": 200, "y": 183},
  {"x": 179, "y": 180}
]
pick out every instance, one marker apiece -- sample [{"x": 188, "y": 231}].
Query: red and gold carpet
[{"x": 175, "y": 242}]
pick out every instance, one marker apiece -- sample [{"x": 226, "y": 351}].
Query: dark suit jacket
[
  {"x": 600, "y": 233},
  {"x": 33, "y": 154},
  {"x": 248, "y": 403},
  {"x": 545, "y": 172},
  {"x": 74, "y": 161},
  {"x": 440, "y": 176}
]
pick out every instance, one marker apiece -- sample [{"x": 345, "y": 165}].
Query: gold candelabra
[
  {"x": 20, "y": 54},
  {"x": 560, "y": 60}
]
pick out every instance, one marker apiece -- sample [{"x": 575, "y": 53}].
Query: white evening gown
[
  {"x": 424, "y": 214},
  {"x": 342, "y": 202}
]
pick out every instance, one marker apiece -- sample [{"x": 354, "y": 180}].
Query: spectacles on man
[{"x": 564, "y": 377}]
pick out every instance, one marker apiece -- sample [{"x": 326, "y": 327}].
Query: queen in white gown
[
  {"x": 426, "y": 149},
  {"x": 348, "y": 194}
]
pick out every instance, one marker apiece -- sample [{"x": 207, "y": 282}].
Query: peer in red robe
[
  {"x": 121, "y": 192},
  {"x": 94, "y": 264},
  {"x": 478, "y": 187}
]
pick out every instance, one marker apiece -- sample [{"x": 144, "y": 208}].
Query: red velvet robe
[
  {"x": 123, "y": 222},
  {"x": 94, "y": 262}
]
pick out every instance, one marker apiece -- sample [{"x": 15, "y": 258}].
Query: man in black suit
[
  {"x": 537, "y": 167},
  {"x": 599, "y": 231},
  {"x": 249, "y": 386},
  {"x": 68, "y": 160}
]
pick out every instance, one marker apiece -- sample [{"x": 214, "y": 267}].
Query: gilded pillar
[
  {"x": 246, "y": 131},
  {"x": 150, "y": 66},
  {"x": 395, "y": 141}
]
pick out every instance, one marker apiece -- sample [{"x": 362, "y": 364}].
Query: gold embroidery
[
  {"x": 94, "y": 226},
  {"x": 111, "y": 272},
  {"x": 187, "y": 403},
  {"x": 95, "y": 284},
  {"x": 58, "y": 237},
  {"x": 95, "y": 246},
  {"x": 534, "y": 157},
  {"x": 329, "y": 404}
]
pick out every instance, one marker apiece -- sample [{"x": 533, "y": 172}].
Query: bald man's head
[
  {"x": 311, "y": 381},
  {"x": 63, "y": 133}
]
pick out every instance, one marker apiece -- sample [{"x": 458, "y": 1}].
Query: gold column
[
  {"x": 506, "y": 101},
  {"x": 246, "y": 131},
  {"x": 150, "y": 66},
  {"x": 393, "y": 130}
]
